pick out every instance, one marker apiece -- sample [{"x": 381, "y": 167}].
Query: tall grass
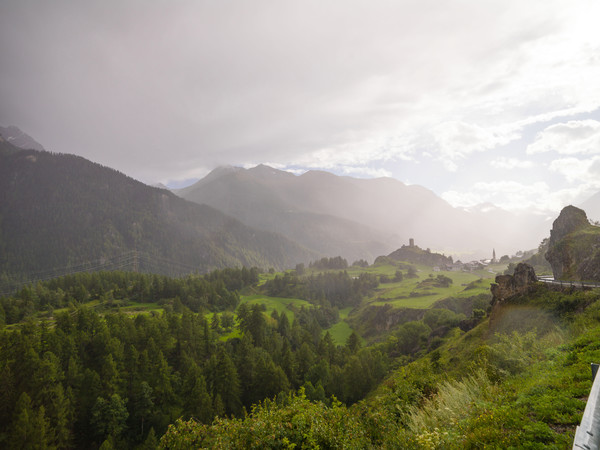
[{"x": 453, "y": 401}]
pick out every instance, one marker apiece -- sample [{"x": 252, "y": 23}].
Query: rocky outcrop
[
  {"x": 569, "y": 220},
  {"x": 574, "y": 247},
  {"x": 507, "y": 286}
]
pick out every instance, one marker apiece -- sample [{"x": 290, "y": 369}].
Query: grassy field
[
  {"x": 276, "y": 303},
  {"x": 408, "y": 294},
  {"x": 141, "y": 308},
  {"x": 341, "y": 331}
]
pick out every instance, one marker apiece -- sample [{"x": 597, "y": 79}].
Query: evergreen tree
[
  {"x": 142, "y": 406},
  {"x": 283, "y": 326},
  {"x": 109, "y": 416},
  {"x": 197, "y": 402},
  {"x": 151, "y": 442},
  {"x": 30, "y": 427},
  {"x": 353, "y": 342},
  {"x": 224, "y": 382}
]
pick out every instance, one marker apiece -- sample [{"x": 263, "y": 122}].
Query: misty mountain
[
  {"x": 20, "y": 139},
  {"x": 58, "y": 210},
  {"x": 274, "y": 200},
  {"x": 365, "y": 217}
]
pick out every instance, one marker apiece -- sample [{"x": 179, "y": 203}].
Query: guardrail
[
  {"x": 574, "y": 284},
  {"x": 587, "y": 434}
]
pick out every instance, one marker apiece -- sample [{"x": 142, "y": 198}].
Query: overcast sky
[{"x": 480, "y": 101}]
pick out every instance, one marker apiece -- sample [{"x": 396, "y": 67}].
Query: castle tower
[{"x": 411, "y": 242}]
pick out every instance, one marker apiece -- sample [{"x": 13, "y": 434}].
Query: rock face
[
  {"x": 574, "y": 246},
  {"x": 569, "y": 220},
  {"x": 508, "y": 286}
]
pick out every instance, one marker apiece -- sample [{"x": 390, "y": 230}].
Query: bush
[{"x": 298, "y": 423}]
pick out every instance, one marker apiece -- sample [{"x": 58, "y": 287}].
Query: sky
[{"x": 480, "y": 101}]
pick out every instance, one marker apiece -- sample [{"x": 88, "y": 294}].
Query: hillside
[
  {"x": 137, "y": 352},
  {"x": 518, "y": 379},
  {"x": 574, "y": 247},
  {"x": 414, "y": 254},
  {"x": 352, "y": 217},
  {"x": 59, "y": 210}
]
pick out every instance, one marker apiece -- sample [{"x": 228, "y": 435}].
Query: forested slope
[
  {"x": 88, "y": 375},
  {"x": 58, "y": 210},
  {"x": 518, "y": 380}
]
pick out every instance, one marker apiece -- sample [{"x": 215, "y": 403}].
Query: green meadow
[
  {"x": 341, "y": 331},
  {"x": 279, "y": 304},
  {"x": 408, "y": 294}
]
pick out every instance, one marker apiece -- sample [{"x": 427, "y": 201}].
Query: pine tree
[
  {"x": 109, "y": 416},
  {"x": 196, "y": 399},
  {"x": 353, "y": 343},
  {"x": 224, "y": 381},
  {"x": 30, "y": 427}
]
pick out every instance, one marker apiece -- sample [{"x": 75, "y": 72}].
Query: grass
[
  {"x": 408, "y": 294},
  {"x": 264, "y": 277},
  {"x": 142, "y": 308},
  {"x": 339, "y": 332},
  {"x": 279, "y": 304}
]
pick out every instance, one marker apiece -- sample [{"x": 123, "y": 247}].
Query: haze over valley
[{"x": 301, "y": 224}]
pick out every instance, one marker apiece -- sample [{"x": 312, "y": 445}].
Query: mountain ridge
[
  {"x": 392, "y": 210},
  {"x": 58, "y": 209},
  {"x": 268, "y": 198},
  {"x": 15, "y": 136}
]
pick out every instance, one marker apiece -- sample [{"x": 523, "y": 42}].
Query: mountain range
[
  {"x": 59, "y": 210},
  {"x": 361, "y": 218}
]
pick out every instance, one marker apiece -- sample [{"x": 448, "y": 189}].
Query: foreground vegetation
[
  {"x": 316, "y": 357},
  {"x": 518, "y": 381}
]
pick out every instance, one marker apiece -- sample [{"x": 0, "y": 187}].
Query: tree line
[
  {"x": 326, "y": 288},
  {"x": 218, "y": 290}
]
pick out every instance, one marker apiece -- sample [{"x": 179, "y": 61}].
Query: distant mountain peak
[
  {"x": 18, "y": 138},
  {"x": 264, "y": 170},
  {"x": 318, "y": 173},
  {"x": 222, "y": 170}
]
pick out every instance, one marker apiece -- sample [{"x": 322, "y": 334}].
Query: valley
[{"x": 299, "y": 225}]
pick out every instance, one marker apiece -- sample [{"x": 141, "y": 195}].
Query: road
[{"x": 575, "y": 284}]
